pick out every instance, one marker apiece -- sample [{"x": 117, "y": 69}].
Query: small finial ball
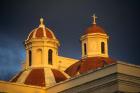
[{"x": 41, "y": 20}]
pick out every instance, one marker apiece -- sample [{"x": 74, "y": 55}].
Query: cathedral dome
[
  {"x": 87, "y": 64},
  {"x": 41, "y": 32},
  {"x": 40, "y": 77},
  {"x": 95, "y": 29}
]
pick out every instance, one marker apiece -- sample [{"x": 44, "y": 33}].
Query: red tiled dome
[
  {"x": 87, "y": 64},
  {"x": 41, "y": 32},
  {"x": 94, "y": 29},
  {"x": 37, "y": 77},
  {"x": 58, "y": 76}
]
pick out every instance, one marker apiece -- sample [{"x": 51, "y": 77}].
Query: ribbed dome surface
[
  {"x": 41, "y": 32},
  {"x": 87, "y": 64},
  {"x": 94, "y": 28},
  {"x": 40, "y": 77}
]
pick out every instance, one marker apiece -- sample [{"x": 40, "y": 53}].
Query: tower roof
[
  {"x": 94, "y": 28},
  {"x": 41, "y": 32},
  {"x": 86, "y": 64}
]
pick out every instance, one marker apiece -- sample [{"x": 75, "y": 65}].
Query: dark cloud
[
  {"x": 68, "y": 19},
  {"x": 11, "y": 57}
]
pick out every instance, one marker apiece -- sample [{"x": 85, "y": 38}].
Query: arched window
[
  {"x": 85, "y": 48},
  {"x": 102, "y": 47},
  {"x": 30, "y": 57},
  {"x": 50, "y": 52}
]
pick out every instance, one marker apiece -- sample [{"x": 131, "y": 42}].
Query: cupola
[
  {"x": 94, "y": 42},
  {"x": 41, "y": 47},
  {"x": 41, "y": 64}
]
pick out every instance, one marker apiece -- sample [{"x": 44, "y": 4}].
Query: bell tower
[{"x": 94, "y": 42}]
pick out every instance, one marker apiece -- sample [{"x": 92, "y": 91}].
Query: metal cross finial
[{"x": 94, "y": 19}]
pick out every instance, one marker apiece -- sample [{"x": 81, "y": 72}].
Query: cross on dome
[{"x": 94, "y": 19}]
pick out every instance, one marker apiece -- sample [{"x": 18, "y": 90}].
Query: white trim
[
  {"x": 49, "y": 77},
  {"x": 23, "y": 76},
  {"x": 51, "y": 33}
]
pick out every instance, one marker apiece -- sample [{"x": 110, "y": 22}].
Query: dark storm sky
[{"x": 68, "y": 19}]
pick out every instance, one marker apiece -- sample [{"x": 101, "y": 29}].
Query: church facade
[{"x": 44, "y": 71}]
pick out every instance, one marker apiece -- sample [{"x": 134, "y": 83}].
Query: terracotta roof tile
[
  {"x": 58, "y": 75},
  {"x": 87, "y": 64},
  {"x": 39, "y": 33},
  {"x": 36, "y": 77},
  {"x": 94, "y": 29},
  {"x": 73, "y": 69},
  {"x": 48, "y": 34},
  {"x": 16, "y": 78}
]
